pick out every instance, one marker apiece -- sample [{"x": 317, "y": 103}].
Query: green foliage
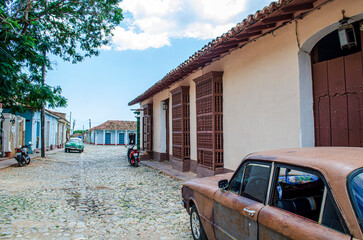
[{"x": 30, "y": 30}]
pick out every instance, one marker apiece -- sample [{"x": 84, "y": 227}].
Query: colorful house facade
[
  {"x": 12, "y": 134},
  {"x": 113, "y": 133},
  {"x": 56, "y": 129},
  {"x": 288, "y": 76}
]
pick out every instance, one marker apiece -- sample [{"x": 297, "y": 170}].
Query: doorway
[
  {"x": 337, "y": 91},
  {"x": 121, "y": 138},
  {"x": 108, "y": 138}
]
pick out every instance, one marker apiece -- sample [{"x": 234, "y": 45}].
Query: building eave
[{"x": 263, "y": 22}]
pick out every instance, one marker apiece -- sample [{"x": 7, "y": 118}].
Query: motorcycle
[
  {"x": 22, "y": 155},
  {"x": 133, "y": 156}
]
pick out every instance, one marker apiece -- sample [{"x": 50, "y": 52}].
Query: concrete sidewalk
[
  {"x": 9, "y": 162},
  {"x": 166, "y": 168}
]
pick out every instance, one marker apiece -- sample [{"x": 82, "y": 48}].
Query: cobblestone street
[{"x": 90, "y": 195}]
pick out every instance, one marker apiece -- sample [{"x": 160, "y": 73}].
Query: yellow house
[{"x": 288, "y": 76}]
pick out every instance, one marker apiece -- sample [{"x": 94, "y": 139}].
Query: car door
[
  {"x": 301, "y": 206},
  {"x": 237, "y": 208}
]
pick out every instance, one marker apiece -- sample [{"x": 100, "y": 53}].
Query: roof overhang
[{"x": 263, "y": 22}]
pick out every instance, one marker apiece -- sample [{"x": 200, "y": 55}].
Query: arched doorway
[{"x": 338, "y": 91}]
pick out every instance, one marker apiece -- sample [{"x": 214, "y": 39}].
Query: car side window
[
  {"x": 255, "y": 181},
  {"x": 331, "y": 215},
  {"x": 235, "y": 184},
  {"x": 355, "y": 186},
  {"x": 305, "y": 194}
]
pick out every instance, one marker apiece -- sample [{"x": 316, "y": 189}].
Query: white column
[
  {"x": 115, "y": 137},
  {"x": 104, "y": 137},
  {"x": 126, "y": 137}
]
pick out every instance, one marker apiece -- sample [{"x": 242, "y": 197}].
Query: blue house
[
  {"x": 114, "y": 133},
  {"x": 56, "y": 128}
]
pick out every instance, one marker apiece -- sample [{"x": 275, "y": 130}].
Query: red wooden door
[{"x": 338, "y": 101}]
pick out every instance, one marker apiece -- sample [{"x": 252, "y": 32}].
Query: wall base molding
[
  {"x": 180, "y": 165},
  {"x": 193, "y": 166},
  {"x": 160, "y": 157},
  {"x": 206, "y": 172},
  {"x": 146, "y": 156}
]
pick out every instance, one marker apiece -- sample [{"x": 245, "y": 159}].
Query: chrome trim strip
[
  {"x": 270, "y": 183},
  {"x": 322, "y": 205}
]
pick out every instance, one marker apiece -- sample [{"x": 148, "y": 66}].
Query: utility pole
[
  {"x": 90, "y": 132},
  {"x": 42, "y": 114},
  {"x": 74, "y": 123}
]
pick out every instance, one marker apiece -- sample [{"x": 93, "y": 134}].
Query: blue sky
[{"x": 155, "y": 37}]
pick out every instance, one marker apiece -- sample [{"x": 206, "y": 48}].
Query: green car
[{"x": 75, "y": 144}]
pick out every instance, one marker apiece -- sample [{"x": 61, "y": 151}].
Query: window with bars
[
  {"x": 181, "y": 123},
  {"x": 209, "y": 101},
  {"x": 147, "y": 127}
]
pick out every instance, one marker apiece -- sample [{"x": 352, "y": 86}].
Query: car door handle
[{"x": 250, "y": 212}]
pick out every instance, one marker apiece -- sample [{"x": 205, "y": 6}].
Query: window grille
[
  {"x": 147, "y": 127},
  {"x": 209, "y": 100},
  {"x": 181, "y": 123}
]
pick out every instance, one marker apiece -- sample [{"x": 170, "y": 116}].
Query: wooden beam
[
  {"x": 247, "y": 35},
  {"x": 296, "y": 8},
  {"x": 228, "y": 44},
  {"x": 261, "y": 27},
  {"x": 225, "y": 48},
  {"x": 221, "y": 51},
  {"x": 279, "y": 18}
]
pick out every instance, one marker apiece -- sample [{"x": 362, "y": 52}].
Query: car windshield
[
  {"x": 356, "y": 188},
  {"x": 74, "y": 140}
]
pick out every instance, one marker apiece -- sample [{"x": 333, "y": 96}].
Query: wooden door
[
  {"x": 108, "y": 138},
  {"x": 338, "y": 101},
  {"x": 121, "y": 138}
]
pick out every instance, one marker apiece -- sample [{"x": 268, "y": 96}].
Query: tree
[{"x": 29, "y": 30}]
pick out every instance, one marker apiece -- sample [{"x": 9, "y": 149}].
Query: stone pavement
[
  {"x": 9, "y": 162},
  {"x": 90, "y": 195}
]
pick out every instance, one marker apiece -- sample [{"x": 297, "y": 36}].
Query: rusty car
[{"x": 303, "y": 193}]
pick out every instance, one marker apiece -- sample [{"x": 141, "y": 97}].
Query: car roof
[{"x": 329, "y": 160}]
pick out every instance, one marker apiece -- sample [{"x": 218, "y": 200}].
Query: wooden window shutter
[
  {"x": 181, "y": 123},
  {"x": 209, "y": 101},
  {"x": 147, "y": 127}
]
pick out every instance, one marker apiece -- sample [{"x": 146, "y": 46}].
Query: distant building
[
  {"x": 56, "y": 129},
  {"x": 113, "y": 133},
  {"x": 63, "y": 127}
]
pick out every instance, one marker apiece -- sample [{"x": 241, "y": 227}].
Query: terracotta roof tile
[
  {"x": 277, "y": 12},
  {"x": 116, "y": 125},
  {"x": 58, "y": 114}
]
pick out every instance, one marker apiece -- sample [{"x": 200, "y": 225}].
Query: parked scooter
[
  {"x": 22, "y": 155},
  {"x": 133, "y": 155}
]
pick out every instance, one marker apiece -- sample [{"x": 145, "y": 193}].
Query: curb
[{"x": 168, "y": 174}]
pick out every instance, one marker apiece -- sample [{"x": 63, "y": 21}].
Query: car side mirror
[{"x": 223, "y": 184}]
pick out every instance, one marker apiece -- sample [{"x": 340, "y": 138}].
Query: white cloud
[{"x": 155, "y": 22}]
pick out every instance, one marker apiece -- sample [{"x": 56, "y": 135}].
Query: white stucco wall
[
  {"x": 159, "y": 123},
  {"x": 267, "y": 88}
]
